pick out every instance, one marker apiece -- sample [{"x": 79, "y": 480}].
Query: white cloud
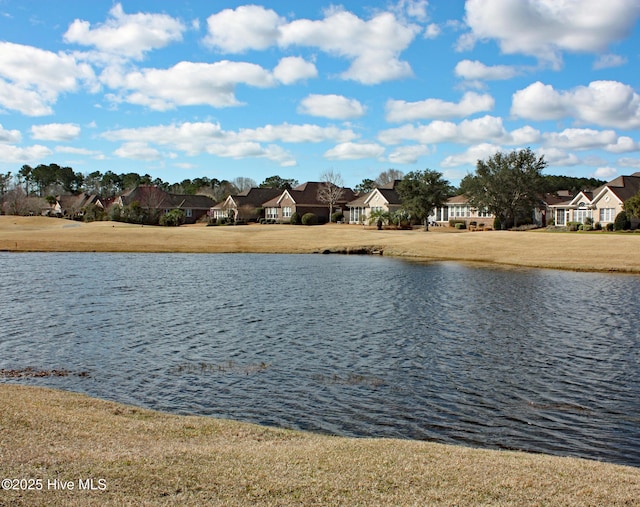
[
  {"x": 128, "y": 35},
  {"x": 31, "y": 79},
  {"x": 544, "y": 28},
  {"x": 408, "y": 154},
  {"x": 335, "y": 107},
  {"x": 189, "y": 83},
  {"x": 471, "y": 156},
  {"x": 11, "y": 154},
  {"x": 413, "y": 9},
  {"x": 252, "y": 150},
  {"x": 524, "y": 136},
  {"x": 55, "y": 132},
  {"x": 372, "y": 46},
  {"x": 292, "y": 69},
  {"x": 557, "y": 157},
  {"x": 432, "y": 31},
  {"x": 466, "y": 132},
  {"x": 475, "y": 70},
  {"x": 609, "y": 60},
  {"x": 471, "y": 102},
  {"x": 288, "y": 133},
  {"x": 354, "y": 151},
  {"x": 629, "y": 162},
  {"x": 580, "y": 139},
  {"x": 138, "y": 151},
  {"x": 603, "y": 103},
  {"x": 80, "y": 151},
  {"x": 247, "y": 27},
  {"x": 623, "y": 144},
  {"x": 9, "y": 136},
  {"x": 605, "y": 173}
]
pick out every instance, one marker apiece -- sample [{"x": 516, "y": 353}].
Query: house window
[
  {"x": 272, "y": 212},
  {"x": 560, "y": 215},
  {"x": 188, "y": 212},
  {"x": 286, "y": 212},
  {"x": 607, "y": 214},
  {"x": 582, "y": 214}
]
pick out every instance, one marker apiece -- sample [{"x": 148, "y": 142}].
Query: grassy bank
[
  {"x": 592, "y": 251},
  {"x": 150, "y": 458}
]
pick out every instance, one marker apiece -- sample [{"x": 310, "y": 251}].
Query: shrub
[
  {"x": 573, "y": 226},
  {"x": 622, "y": 222},
  {"x": 309, "y": 219},
  {"x": 460, "y": 225},
  {"x": 455, "y": 223},
  {"x": 296, "y": 219},
  {"x": 173, "y": 218},
  {"x": 609, "y": 227},
  {"x": 338, "y": 216},
  {"x": 598, "y": 226},
  {"x": 497, "y": 224}
]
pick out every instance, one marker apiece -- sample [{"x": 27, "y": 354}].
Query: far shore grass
[
  {"x": 157, "y": 459},
  {"x": 581, "y": 251}
]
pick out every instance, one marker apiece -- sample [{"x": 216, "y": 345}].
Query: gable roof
[
  {"x": 307, "y": 195},
  {"x": 623, "y": 187}
]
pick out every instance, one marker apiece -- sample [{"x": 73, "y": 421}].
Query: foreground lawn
[{"x": 141, "y": 457}]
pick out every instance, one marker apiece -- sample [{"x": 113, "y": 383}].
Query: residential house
[
  {"x": 383, "y": 198},
  {"x": 246, "y": 205},
  {"x": 304, "y": 199},
  {"x": 600, "y": 205},
  {"x": 458, "y": 208},
  {"x": 152, "y": 197},
  {"x": 72, "y": 206}
]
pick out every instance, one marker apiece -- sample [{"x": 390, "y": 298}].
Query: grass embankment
[
  {"x": 151, "y": 458},
  {"x": 592, "y": 251}
]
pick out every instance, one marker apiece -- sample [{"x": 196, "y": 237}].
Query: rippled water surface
[{"x": 543, "y": 361}]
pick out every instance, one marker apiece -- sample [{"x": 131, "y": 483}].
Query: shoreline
[
  {"x": 147, "y": 457},
  {"x": 575, "y": 251}
]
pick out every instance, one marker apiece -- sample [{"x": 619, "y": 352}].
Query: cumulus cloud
[
  {"x": 205, "y": 137},
  {"x": 55, "y": 132},
  {"x": 545, "y": 28},
  {"x": 471, "y": 156},
  {"x": 130, "y": 35},
  {"x": 602, "y": 103},
  {"x": 9, "y": 136},
  {"x": 372, "y": 46},
  {"x": 335, "y": 107},
  {"x": 558, "y": 157},
  {"x": 246, "y": 27},
  {"x": 629, "y": 162},
  {"x": 354, "y": 151},
  {"x": 189, "y": 83},
  {"x": 137, "y": 151},
  {"x": 580, "y": 139},
  {"x": 12, "y": 154},
  {"x": 475, "y": 70},
  {"x": 408, "y": 154},
  {"x": 466, "y": 132},
  {"x": 609, "y": 60},
  {"x": 605, "y": 173},
  {"x": 471, "y": 102},
  {"x": 31, "y": 79},
  {"x": 292, "y": 69}
]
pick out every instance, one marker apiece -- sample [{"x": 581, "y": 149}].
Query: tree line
[{"x": 509, "y": 185}]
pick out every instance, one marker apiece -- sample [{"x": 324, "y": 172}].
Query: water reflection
[{"x": 544, "y": 361}]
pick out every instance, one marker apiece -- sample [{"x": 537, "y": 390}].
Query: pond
[{"x": 366, "y": 346}]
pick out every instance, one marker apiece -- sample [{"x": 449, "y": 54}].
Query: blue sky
[{"x": 235, "y": 89}]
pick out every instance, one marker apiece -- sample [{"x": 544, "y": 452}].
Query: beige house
[
  {"x": 601, "y": 205},
  {"x": 383, "y": 198},
  {"x": 246, "y": 205},
  {"x": 458, "y": 208}
]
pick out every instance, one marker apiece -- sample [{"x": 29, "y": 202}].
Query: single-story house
[
  {"x": 152, "y": 197},
  {"x": 458, "y": 208},
  {"x": 304, "y": 199},
  {"x": 600, "y": 205},
  {"x": 72, "y": 205},
  {"x": 246, "y": 205},
  {"x": 382, "y": 198}
]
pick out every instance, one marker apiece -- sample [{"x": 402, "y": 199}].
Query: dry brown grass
[
  {"x": 592, "y": 251},
  {"x": 151, "y": 458}
]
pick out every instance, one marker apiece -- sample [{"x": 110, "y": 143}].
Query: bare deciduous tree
[{"x": 331, "y": 189}]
